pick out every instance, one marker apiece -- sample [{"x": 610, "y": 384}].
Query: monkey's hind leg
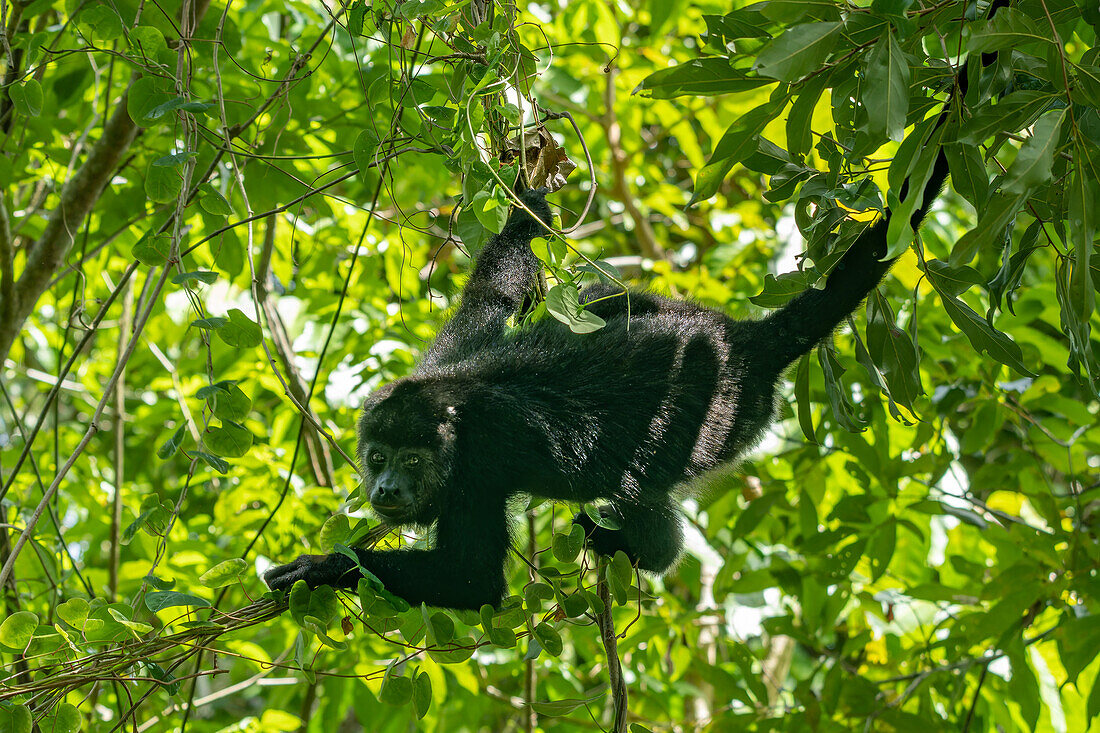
[{"x": 649, "y": 533}]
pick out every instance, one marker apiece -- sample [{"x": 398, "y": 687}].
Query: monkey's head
[{"x": 406, "y": 443}]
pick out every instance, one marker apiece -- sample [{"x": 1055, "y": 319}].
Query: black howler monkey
[{"x": 625, "y": 414}]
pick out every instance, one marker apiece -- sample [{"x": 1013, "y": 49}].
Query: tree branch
[{"x": 78, "y": 196}]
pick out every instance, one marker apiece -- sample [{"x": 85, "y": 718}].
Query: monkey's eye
[
  {"x": 412, "y": 460},
  {"x": 377, "y": 458}
]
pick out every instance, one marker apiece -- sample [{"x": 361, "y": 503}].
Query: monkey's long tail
[{"x": 813, "y": 315}]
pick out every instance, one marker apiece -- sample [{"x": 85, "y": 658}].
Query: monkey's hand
[{"x": 335, "y": 570}]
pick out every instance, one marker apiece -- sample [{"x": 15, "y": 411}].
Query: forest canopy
[{"x": 222, "y": 225}]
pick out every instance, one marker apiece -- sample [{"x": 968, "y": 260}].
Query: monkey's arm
[
  {"x": 465, "y": 569},
  {"x": 435, "y": 577},
  {"x": 503, "y": 274}
]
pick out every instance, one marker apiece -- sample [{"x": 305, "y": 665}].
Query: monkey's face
[
  {"x": 406, "y": 436},
  {"x": 402, "y": 482}
]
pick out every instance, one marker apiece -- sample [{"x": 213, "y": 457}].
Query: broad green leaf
[
  {"x": 549, "y": 638},
  {"x": 230, "y": 404},
  {"x": 738, "y": 142},
  {"x": 231, "y": 439},
  {"x": 211, "y": 323},
  {"x": 334, "y": 531},
  {"x": 214, "y": 203},
  {"x": 886, "y": 93},
  {"x": 699, "y": 77},
  {"x": 241, "y": 331},
  {"x": 65, "y": 718},
  {"x": 224, "y": 573},
  {"x": 152, "y": 249},
  {"x": 162, "y": 184},
  {"x": 15, "y": 719},
  {"x": 102, "y": 22},
  {"x": 1014, "y": 112},
  {"x": 1032, "y": 165},
  {"x": 1008, "y": 28},
  {"x": 73, "y": 612},
  {"x": 968, "y": 173},
  {"x": 17, "y": 629},
  {"x": 147, "y": 41},
  {"x": 983, "y": 337},
  {"x": 990, "y": 230},
  {"x": 182, "y": 104},
  {"x": 27, "y": 97},
  {"x": 169, "y": 447},
  {"x": 204, "y": 276},
  {"x": 421, "y": 694},
  {"x": 396, "y": 690},
  {"x": 798, "y": 51},
  {"x": 564, "y": 304},
  {"x": 136, "y": 628},
  {"x": 144, "y": 98},
  {"x": 161, "y": 599}
]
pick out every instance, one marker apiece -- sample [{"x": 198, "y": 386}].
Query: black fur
[{"x": 625, "y": 414}]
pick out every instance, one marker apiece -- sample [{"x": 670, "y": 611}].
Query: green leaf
[
  {"x": 174, "y": 160},
  {"x": 214, "y": 462},
  {"x": 886, "y": 93},
  {"x": 880, "y": 550},
  {"x": 15, "y": 718},
  {"x": 65, "y": 718},
  {"x": 147, "y": 41},
  {"x": 566, "y": 547},
  {"x": 241, "y": 332},
  {"x": 364, "y": 150},
  {"x": 737, "y": 143},
  {"x": 356, "y": 13},
  {"x": 396, "y": 691},
  {"x": 1008, "y": 28},
  {"x": 73, "y": 612},
  {"x": 421, "y": 694},
  {"x": 161, "y": 599},
  {"x": 334, "y": 531},
  {"x": 162, "y": 184},
  {"x": 699, "y": 77},
  {"x": 968, "y": 173},
  {"x": 152, "y": 249},
  {"x": 231, "y": 439},
  {"x": 182, "y": 104},
  {"x": 17, "y": 629},
  {"x": 990, "y": 230},
  {"x": 204, "y": 276},
  {"x": 563, "y": 303},
  {"x": 212, "y": 323},
  {"x": 143, "y": 98},
  {"x": 170, "y": 683},
  {"x": 549, "y": 638},
  {"x": 800, "y": 50},
  {"x": 1014, "y": 112},
  {"x": 231, "y": 405},
  {"x": 214, "y": 203},
  {"x": 1032, "y": 165},
  {"x": 983, "y": 337},
  {"x": 169, "y": 447},
  {"x": 27, "y": 98},
  {"x": 224, "y": 573},
  {"x": 558, "y": 708},
  {"x": 102, "y": 22},
  {"x": 136, "y": 628}
]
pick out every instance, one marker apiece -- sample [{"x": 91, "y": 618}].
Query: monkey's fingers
[{"x": 304, "y": 568}]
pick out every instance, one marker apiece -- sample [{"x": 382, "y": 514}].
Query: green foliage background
[{"x": 211, "y": 249}]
